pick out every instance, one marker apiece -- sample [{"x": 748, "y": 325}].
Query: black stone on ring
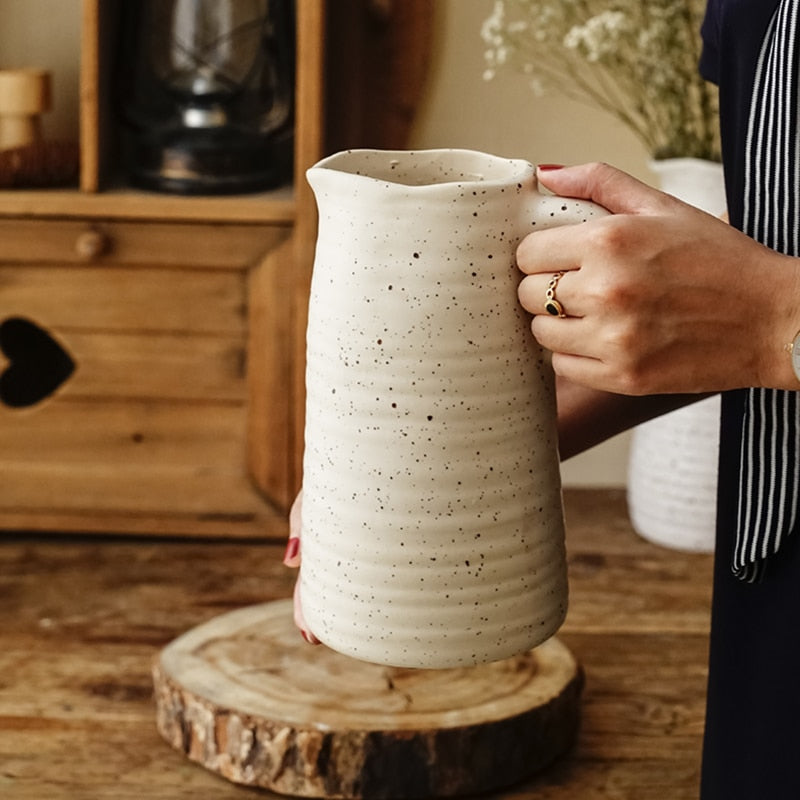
[{"x": 554, "y": 308}]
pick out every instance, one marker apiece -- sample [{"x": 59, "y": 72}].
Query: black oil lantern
[{"x": 206, "y": 93}]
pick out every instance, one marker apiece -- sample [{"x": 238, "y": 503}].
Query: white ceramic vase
[
  {"x": 672, "y": 471},
  {"x": 432, "y": 518}
]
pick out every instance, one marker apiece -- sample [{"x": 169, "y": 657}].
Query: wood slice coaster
[{"x": 246, "y": 697}]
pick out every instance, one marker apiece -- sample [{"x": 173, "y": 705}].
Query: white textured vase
[
  {"x": 672, "y": 473},
  {"x": 432, "y": 518}
]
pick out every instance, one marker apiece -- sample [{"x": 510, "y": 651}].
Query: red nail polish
[
  {"x": 292, "y": 548},
  {"x": 547, "y": 167}
]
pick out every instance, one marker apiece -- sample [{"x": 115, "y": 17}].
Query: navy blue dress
[{"x": 752, "y": 738}]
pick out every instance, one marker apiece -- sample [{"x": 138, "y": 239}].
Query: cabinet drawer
[
  {"x": 125, "y": 382},
  {"x": 155, "y": 333},
  {"x": 222, "y": 246},
  {"x": 118, "y": 297}
]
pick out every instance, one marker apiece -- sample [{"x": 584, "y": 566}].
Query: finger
[
  {"x": 567, "y": 336},
  {"x": 291, "y": 557},
  {"x": 573, "y": 356},
  {"x": 600, "y": 375},
  {"x": 585, "y": 371},
  {"x": 296, "y": 515},
  {"x": 532, "y": 293},
  {"x": 611, "y": 188},
  {"x": 554, "y": 249},
  {"x": 580, "y": 355},
  {"x": 299, "y": 619}
]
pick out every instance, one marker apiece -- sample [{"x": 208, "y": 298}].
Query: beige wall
[
  {"x": 46, "y": 34},
  {"x": 503, "y": 116}
]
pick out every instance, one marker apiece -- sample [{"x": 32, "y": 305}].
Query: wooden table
[{"x": 82, "y": 618}]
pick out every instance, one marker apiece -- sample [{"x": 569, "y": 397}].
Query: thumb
[{"x": 607, "y": 186}]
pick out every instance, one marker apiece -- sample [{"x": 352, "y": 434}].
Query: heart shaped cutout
[{"x": 37, "y": 366}]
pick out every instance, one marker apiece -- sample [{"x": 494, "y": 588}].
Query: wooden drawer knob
[{"x": 91, "y": 244}]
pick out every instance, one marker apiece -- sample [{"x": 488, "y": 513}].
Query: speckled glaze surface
[{"x": 432, "y": 519}]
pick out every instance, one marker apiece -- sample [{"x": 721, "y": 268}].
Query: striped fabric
[{"x": 770, "y": 472}]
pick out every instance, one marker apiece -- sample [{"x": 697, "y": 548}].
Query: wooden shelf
[
  {"x": 274, "y": 207},
  {"x": 101, "y": 192}
]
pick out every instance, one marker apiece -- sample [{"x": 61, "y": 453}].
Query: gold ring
[{"x": 551, "y": 305}]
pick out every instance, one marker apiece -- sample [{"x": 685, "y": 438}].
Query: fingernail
[
  {"x": 292, "y": 549},
  {"x": 309, "y": 637},
  {"x": 547, "y": 167}
]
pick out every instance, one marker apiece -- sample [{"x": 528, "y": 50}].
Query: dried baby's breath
[{"x": 636, "y": 59}]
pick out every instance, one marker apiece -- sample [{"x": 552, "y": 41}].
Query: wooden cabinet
[
  {"x": 151, "y": 345},
  {"x": 151, "y": 362}
]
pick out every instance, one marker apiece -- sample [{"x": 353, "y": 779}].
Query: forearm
[{"x": 587, "y": 417}]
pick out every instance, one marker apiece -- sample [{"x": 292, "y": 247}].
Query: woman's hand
[
  {"x": 660, "y": 297},
  {"x": 292, "y": 559}
]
